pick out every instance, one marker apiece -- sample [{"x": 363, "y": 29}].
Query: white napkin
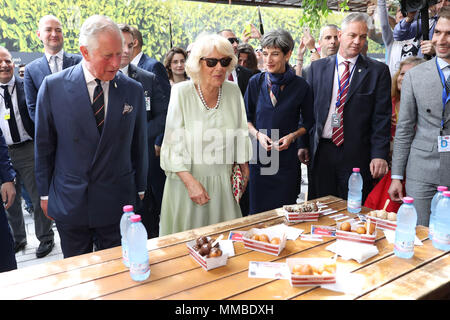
[
  {"x": 390, "y": 236},
  {"x": 291, "y": 232},
  {"x": 353, "y": 250},
  {"x": 346, "y": 282}
]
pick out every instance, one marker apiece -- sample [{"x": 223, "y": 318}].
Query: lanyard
[
  {"x": 445, "y": 95},
  {"x": 339, "y": 81}
]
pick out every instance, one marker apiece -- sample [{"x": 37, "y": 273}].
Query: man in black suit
[
  {"x": 352, "y": 112},
  {"x": 156, "y": 103},
  {"x": 143, "y": 61},
  {"x": 7, "y": 174},
  {"x": 55, "y": 59},
  {"x": 18, "y": 130},
  {"x": 240, "y": 74}
]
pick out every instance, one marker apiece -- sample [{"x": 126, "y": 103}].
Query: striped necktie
[
  {"x": 338, "y": 132},
  {"x": 98, "y": 106}
]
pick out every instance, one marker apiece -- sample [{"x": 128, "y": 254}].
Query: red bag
[{"x": 379, "y": 194}]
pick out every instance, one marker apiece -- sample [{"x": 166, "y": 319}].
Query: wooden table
[{"x": 175, "y": 274}]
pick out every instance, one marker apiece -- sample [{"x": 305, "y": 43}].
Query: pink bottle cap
[
  {"x": 128, "y": 208},
  {"x": 442, "y": 188},
  {"x": 446, "y": 193},
  {"x": 408, "y": 199},
  {"x": 356, "y": 169},
  {"x": 135, "y": 218}
]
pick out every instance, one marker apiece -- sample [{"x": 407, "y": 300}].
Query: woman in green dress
[{"x": 206, "y": 133}]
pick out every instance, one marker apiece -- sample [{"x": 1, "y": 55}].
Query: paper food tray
[
  {"x": 382, "y": 223},
  {"x": 353, "y": 236},
  {"x": 308, "y": 280},
  {"x": 300, "y": 216},
  {"x": 273, "y": 249},
  {"x": 207, "y": 263}
]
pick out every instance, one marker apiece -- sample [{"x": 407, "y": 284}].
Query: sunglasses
[
  {"x": 212, "y": 62},
  {"x": 233, "y": 40}
]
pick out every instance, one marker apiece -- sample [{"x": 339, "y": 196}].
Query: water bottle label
[
  {"x": 404, "y": 246},
  {"x": 140, "y": 268},
  {"x": 125, "y": 256},
  {"x": 354, "y": 204},
  {"x": 443, "y": 238}
]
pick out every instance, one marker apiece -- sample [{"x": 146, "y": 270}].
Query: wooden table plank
[{"x": 416, "y": 284}]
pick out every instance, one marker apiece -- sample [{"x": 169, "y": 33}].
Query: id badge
[
  {"x": 335, "y": 120},
  {"x": 444, "y": 143},
  {"x": 7, "y": 114},
  {"x": 147, "y": 104}
]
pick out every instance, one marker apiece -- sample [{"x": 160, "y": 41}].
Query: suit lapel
[
  {"x": 325, "y": 77},
  {"x": 44, "y": 67},
  {"x": 359, "y": 73},
  {"x": 80, "y": 101}
]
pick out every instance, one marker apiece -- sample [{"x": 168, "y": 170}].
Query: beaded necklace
[{"x": 204, "y": 102}]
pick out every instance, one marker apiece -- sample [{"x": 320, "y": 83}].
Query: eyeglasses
[
  {"x": 233, "y": 40},
  {"x": 212, "y": 62}
]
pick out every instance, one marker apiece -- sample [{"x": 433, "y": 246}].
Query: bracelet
[
  {"x": 299, "y": 59},
  {"x": 245, "y": 177},
  {"x": 256, "y": 135}
]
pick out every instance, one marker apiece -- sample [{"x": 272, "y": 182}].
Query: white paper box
[
  {"x": 300, "y": 216},
  {"x": 382, "y": 223},
  {"x": 273, "y": 249},
  {"x": 310, "y": 280},
  {"x": 205, "y": 262},
  {"x": 353, "y": 236}
]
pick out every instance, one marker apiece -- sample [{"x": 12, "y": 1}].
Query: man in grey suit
[{"x": 423, "y": 127}]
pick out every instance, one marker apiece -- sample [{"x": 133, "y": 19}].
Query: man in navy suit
[
  {"x": 352, "y": 118},
  {"x": 18, "y": 131},
  {"x": 156, "y": 103},
  {"x": 91, "y": 142},
  {"x": 53, "y": 60},
  {"x": 7, "y": 174},
  {"x": 143, "y": 61}
]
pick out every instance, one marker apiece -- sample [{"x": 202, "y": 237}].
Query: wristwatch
[{"x": 313, "y": 50}]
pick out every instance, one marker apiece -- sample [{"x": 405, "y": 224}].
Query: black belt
[{"x": 20, "y": 144}]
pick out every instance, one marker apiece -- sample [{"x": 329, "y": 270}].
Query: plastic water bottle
[
  {"x": 405, "y": 232},
  {"x": 137, "y": 246},
  {"x": 441, "y": 234},
  {"x": 125, "y": 222},
  {"x": 355, "y": 184},
  {"x": 438, "y": 196}
]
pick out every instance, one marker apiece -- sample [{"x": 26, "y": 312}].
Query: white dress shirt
[
  {"x": 4, "y": 125},
  {"x": 327, "y": 129},
  {"x": 91, "y": 84},
  {"x": 136, "y": 59},
  {"x": 60, "y": 56}
]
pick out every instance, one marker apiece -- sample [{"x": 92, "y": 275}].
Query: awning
[{"x": 354, "y": 5}]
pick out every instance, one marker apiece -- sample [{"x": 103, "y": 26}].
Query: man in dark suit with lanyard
[
  {"x": 7, "y": 256},
  {"x": 156, "y": 103},
  {"x": 18, "y": 131},
  {"x": 352, "y": 111},
  {"x": 54, "y": 59}
]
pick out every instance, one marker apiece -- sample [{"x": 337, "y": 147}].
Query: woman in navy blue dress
[{"x": 279, "y": 108}]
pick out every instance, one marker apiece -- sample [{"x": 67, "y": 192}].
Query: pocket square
[{"x": 127, "y": 108}]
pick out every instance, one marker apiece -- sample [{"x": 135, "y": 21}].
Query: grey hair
[
  {"x": 278, "y": 38},
  {"x": 93, "y": 26},
  {"x": 354, "y": 17},
  {"x": 204, "y": 45},
  {"x": 331, "y": 26}
]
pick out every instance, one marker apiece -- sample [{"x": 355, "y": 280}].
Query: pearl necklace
[{"x": 203, "y": 99}]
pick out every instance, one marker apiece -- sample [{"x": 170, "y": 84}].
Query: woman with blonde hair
[{"x": 206, "y": 133}]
